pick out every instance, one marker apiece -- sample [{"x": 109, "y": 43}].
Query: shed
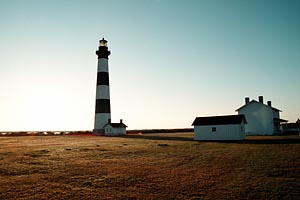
[{"x": 226, "y": 127}]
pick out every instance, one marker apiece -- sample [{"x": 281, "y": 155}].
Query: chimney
[
  {"x": 247, "y": 100},
  {"x": 121, "y": 121},
  {"x": 269, "y": 103},
  {"x": 261, "y": 99}
]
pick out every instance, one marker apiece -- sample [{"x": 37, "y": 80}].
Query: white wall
[
  {"x": 276, "y": 114},
  {"x": 223, "y": 132},
  {"x": 113, "y": 131},
  {"x": 259, "y": 119}
]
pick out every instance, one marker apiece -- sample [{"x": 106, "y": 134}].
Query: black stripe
[
  {"x": 103, "y": 52},
  {"x": 102, "y": 106},
  {"x": 102, "y": 78}
]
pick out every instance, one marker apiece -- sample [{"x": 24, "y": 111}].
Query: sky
[{"x": 171, "y": 60}]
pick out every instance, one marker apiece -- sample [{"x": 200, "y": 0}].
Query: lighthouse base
[{"x": 98, "y": 132}]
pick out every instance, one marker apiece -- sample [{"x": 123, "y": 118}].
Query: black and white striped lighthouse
[{"x": 102, "y": 111}]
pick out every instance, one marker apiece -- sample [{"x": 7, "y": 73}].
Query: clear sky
[{"x": 171, "y": 60}]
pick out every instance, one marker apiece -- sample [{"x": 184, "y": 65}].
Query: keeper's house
[
  {"x": 115, "y": 129},
  {"x": 263, "y": 119},
  {"x": 227, "y": 127}
]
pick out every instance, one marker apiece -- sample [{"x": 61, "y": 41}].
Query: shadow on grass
[
  {"x": 155, "y": 137},
  {"x": 246, "y": 141},
  {"x": 269, "y": 141}
]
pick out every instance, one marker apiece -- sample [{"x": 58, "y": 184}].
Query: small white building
[
  {"x": 263, "y": 119},
  {"x": 114, "y": 129},
  {"x": 227, "y": 127}
]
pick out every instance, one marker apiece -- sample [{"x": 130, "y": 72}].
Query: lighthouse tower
[{"x": 102, "y": 111}]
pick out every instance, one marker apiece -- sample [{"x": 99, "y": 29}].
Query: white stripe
[
  {"x": 101, "y": 119},
  {"x": 102, "y": 65},
  {"x": 102, "y": 92}
]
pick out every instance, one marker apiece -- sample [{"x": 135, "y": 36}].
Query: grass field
[{"x": 150, "y": 166}]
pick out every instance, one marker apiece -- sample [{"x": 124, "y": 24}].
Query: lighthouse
[
  {"x": 103, "y": 124},
  {"x": 102, "y": 110}
]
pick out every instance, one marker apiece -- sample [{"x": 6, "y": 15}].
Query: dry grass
[{"x": 152, "y": 166}]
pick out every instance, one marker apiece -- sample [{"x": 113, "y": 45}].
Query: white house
[
  {"x": 263, "y": 119},
  {"x": 227, "y": 127},
  {"x": 114, "y": 129}
]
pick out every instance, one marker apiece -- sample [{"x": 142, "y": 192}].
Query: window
[{"x": 213, "y": 129}]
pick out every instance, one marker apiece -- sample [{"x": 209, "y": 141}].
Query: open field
[{"x": 150, "y": 166}]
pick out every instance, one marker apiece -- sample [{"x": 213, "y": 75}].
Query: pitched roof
[
  {"x": 116, "y": 125},
  {"x": 254, "y": 101},
  {"x": 279, "y": 120},
  {"x": 220, "y": 120}
]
